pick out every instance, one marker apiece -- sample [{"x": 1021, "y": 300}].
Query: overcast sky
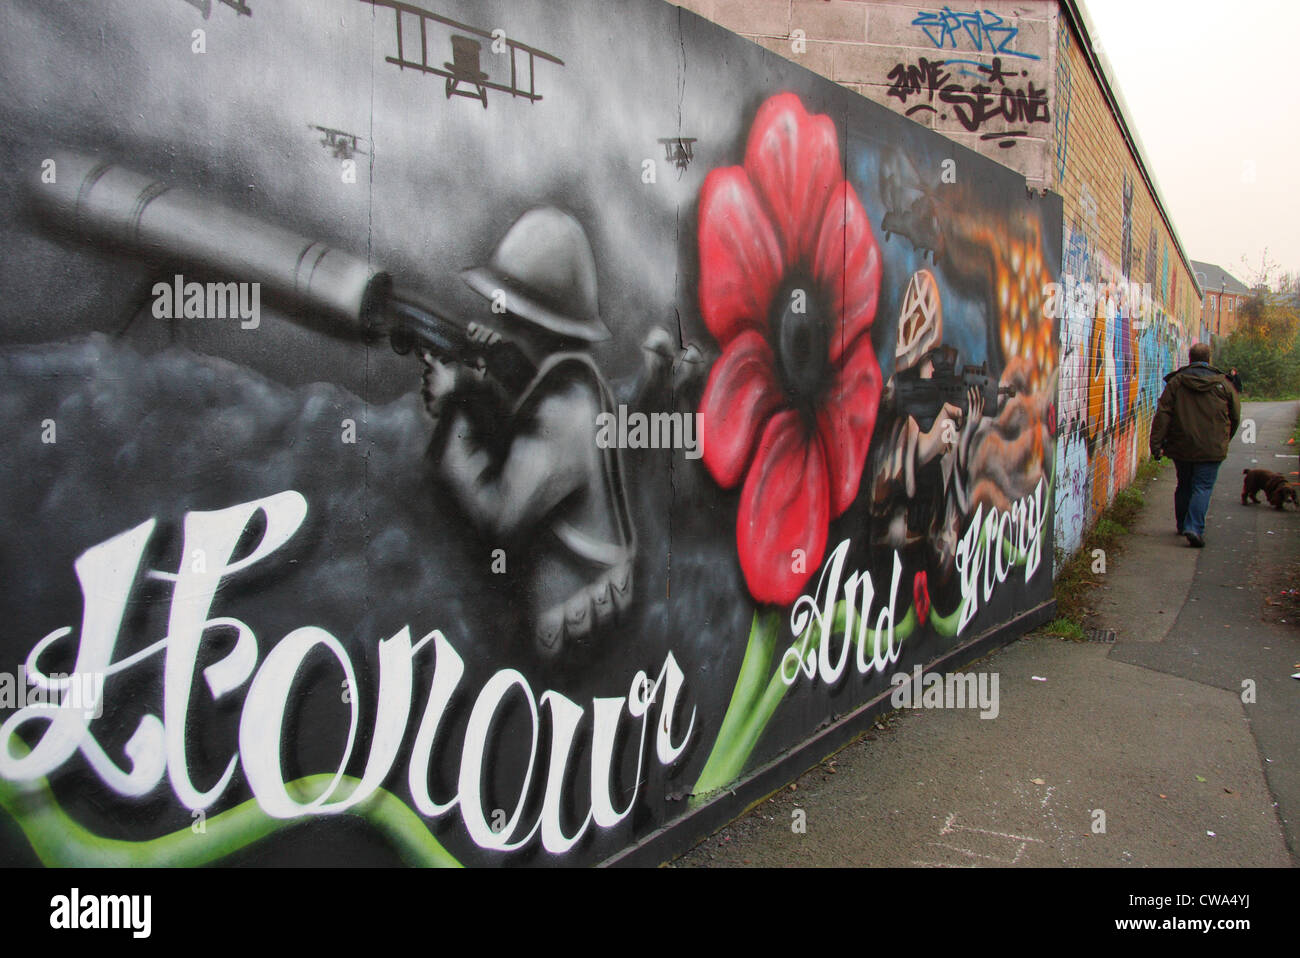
[{"x": 1212, "y": 91}]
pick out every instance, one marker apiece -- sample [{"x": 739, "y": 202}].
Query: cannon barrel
[
  {"x": 95, "y": 200},
  {"x": 319, "y": 287}
]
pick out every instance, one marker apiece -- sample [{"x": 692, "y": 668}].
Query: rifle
[
  {"x": 316, "y": 285},
  {"x": 923, "y": 399}
]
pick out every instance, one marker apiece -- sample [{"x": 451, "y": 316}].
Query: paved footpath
[{"x": 1150, "y": 731}]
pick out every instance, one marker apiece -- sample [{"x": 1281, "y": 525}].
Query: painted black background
[{"x": 160, "y": 420}]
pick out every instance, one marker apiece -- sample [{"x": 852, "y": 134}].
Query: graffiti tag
[
  {"x": 990, "y": 99},
  {"x": 985, "y": 30}
]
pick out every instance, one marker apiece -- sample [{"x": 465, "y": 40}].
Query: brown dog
[{"x": 1274, "y": 485}]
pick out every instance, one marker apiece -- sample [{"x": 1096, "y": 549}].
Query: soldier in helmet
[
  {"x": 919, "y": 490},
  {"x": 534, "y": 479}
]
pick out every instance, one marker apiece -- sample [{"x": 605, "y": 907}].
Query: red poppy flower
[
  {"x": 921, "y": 596},
  {"x": 789, "y": 277}
]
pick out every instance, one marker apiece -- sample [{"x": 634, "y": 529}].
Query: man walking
[{"x": 1198, "y": 415}]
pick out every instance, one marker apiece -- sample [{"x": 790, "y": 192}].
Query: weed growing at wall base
[
  {"x": 1066, "y": 629},
  {"x": 1076, "y": 574}
]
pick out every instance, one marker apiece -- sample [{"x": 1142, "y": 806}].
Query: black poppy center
[{"x": 801, "y": 333}]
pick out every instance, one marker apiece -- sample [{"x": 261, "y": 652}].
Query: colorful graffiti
[
  {"x": 1118, "y": 332},
  {"x": 1117, "y": 345},
  {"x": 366, "y": 481}
]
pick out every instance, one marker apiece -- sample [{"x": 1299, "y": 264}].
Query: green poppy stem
[
  {"x": 753, "y": 704},
  {"x": 754, "y": 670},
  {"x": 60, "y": 841}
]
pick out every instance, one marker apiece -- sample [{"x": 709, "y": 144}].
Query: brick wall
[
  {"x": 1221, "y": 315},
  {"x": 904, "y": 55}
]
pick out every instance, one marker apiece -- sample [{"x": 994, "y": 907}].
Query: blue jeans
[{"x": 1192, "y": 497}]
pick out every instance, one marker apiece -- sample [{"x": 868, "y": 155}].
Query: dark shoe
[{"x": 1195, "y": 541}]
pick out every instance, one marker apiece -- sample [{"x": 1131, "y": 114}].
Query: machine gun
[
  {"x": 924, "y": 399},
  {"x": 316, "y": 286}
]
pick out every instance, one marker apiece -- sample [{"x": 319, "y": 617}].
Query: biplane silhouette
[
  {"x": 205, "y": 7},
  {"x": 344, "y": 145},
  {"x": 463, "y": 73},
  {"x": 678, "y": 151}
]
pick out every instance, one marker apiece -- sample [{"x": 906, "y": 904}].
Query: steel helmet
[
  {"x": 545, "y": 268},
  {"x": 920, "y": 321}
]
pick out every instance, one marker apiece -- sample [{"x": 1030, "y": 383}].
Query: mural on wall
[{"x": 430, "y": 455}]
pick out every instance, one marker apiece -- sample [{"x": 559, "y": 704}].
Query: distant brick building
[{"x": 1224, "y": 296}]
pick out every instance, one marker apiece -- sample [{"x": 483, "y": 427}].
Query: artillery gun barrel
[{"x": 95, "y": 200}]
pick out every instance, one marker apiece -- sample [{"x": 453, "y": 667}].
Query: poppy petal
[
  {"x": 846, "y": 421},
  {"x": 921, "y": 596},
  {"x": 741, "y": 394},
  {"x": 784, "y": 507},
  {"x": 794, "y": 160},
  {"x": 740, "y": 257},
  {"x": 847, "y": 267}
]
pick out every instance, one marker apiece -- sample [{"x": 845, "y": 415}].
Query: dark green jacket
[{"x": 1198, "y": 415}]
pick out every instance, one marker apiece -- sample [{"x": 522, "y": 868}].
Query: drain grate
[{"x": 1100, "y": 635}]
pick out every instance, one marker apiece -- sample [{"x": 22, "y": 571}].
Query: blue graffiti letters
[{"x": 984, "y": 29}]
